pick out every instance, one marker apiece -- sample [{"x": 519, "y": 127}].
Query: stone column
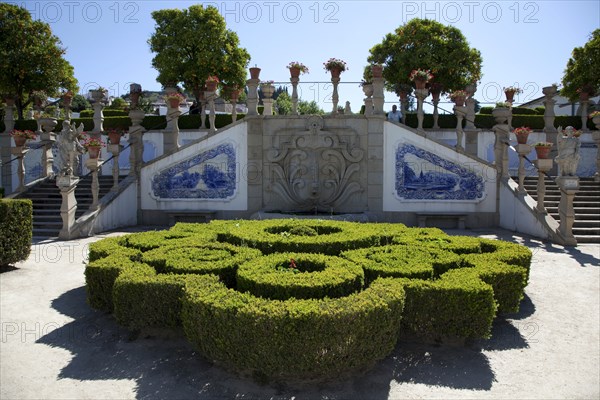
[
  {"x": 460, "y": 112},
  {"x": 368, "y": 91},
  {"x": 378, "y": 97},
  {"x": 210, "y": 96},
  {"x": 19, "y": 153},
  {"x": 543, "y": 166},
  {"x": 522, "y": 150},
  {"x": 98, "y": 119},
  {"x": 470, "y": 112},
  {"x": 568, "y": 185},
  {"x": 67, "y": 185},
  {"x": 501, "y": 149},
  {"x": 584, "y": 114},
  {"x": 268, "y": 91},
  {"x": 171, "y": 134},
  {"x": 136, "y": 142},
  {"x": 115, "y": 149},
  {"x": 435, "y": 100},
  {"x": 549, "y": 129},
  {"x": 47, "y": 139},
  {"x": 295, "y": 95},
  {"x": 5, "y": 148},
  {"x": 252, "y": 98},
  {"x": 335, "y": 98},
  {"x": 421, "y": 94},
  {"x": 596, "y": 137},
  {"x": 234, "y": 100},
  {"x": 94, "y": 164}
]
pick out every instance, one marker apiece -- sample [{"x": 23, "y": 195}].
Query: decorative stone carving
[
  {"x": 422, "y": 175},
  {"x": 315, "y": 169},
  {"x": 69, "y": 149},
  {"x": 568, "y": 151}
]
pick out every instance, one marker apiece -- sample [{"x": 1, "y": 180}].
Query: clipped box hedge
[
  {"x": 16, "y": 227},
  {"x": 328, "y": 297},
  {"x": 316, "y": 339}
]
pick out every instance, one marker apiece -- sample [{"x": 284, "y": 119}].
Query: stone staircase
[
  {"x": 47, "y": 200},
  {"x": 586, "y": 227}
]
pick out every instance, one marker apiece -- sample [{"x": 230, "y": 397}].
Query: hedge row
[
  {"x": 16, "y": 227},
  {"x": 258, "y": 314},
  {"x": 293, "y": 339}
]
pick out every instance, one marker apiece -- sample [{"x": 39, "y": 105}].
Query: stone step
[{"x": 587, "y": 238}]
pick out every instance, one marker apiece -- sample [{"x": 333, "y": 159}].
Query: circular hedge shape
[
  {"x": 356, "y": 289},
  {"x": 303, "y": 236},
  {"x": 302, "y": 276},
  {"x": 221, "y": 259}
]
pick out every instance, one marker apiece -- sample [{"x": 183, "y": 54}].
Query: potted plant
[
  {"x": 20, "y": 137},
  {"x": 135, "y": 91},
  {"x": 254, "y": 72},
  {"x": 335, "y": 66},
  {"x": 436, "y": 90},
  {"x": 98, "y": 94},
  {"x": 542, "y": 149},
  {"x": 585, "y": 92},
  {"x": 296, "y": 68},
  {"x": 211, "y": 83},
  {"x": 502, "y": 111},
  {"x": 510, "y": 92},
  {"x": 174, "y": 99},
  {"x": 92, "y": 146},
  {"x": 403, "y": 90},
  {"x": 522, "y": 134},
  {"x": 267, "y": 88},
  {"x": 114, "y": 135},
  {"x": 420, "y": 77},
  {"x": 550, "y": 90},
  {"x": 458, "y": 97},
  {"x": 377, "y": 70}
]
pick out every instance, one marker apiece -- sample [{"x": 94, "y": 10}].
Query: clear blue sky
[{"x": 524, "y": 43}]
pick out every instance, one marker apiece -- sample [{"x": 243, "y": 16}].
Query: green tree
[
  {"x": 118, "y": 104},
  {"x": 31, "y": 58},
  {"x": 583, "y": 69},
  {"x": 283, "y": 104},
  {"x": 193, "y": 44},
  {"x": 309, "y": 107},
  {"x": 427, "y": 44},
  {"x": 79, "y": 103}
]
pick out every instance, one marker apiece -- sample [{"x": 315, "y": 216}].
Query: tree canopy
[
  {"x": 193, "y": 44},
  {"x": 427, "y": 44},
  {"x": 31, "y": 58},
  {"x": 583, "y": 69},
  {"x": 284, "y": 105}
]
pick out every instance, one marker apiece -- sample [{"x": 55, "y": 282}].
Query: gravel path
[{"x": 53, "y": 346}]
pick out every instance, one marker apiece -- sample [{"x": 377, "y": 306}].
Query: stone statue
[
  {"x": 347, "y": 109},
  {"x": 69, "y": 149},
  {"x": 568, "y": 151}
]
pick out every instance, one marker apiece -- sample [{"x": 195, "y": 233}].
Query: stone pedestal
[
  {"x": 501, "y": 132},
  {"x": 171, "y": 134},
  {"x": 98, "y": 120},
  {"x": 436, "y": 114},
  {"x": 19, "y": 152},
  {"x": 522, "y": 150},
  {"x": 252, "y": 98},
  {"x": 47, "y": 139},
  {"x": 472, "y": 141},
  {"x": 568, "y": 185},
  {"x": 94, "y": 164},
  {"x": 295, "y": 95},
  {"x": 335, "y": 98},
  {"x": 421, "y": 95},
  {"x": 67, "y": 185},
  {"x": 460, "y": 112},
  {"x": 268, "y": 91},
  {"x": 470, "y": 103},
  {"x": 115, "y": 150},
  {"x": 378, "y": 97},
  {"x": 9, "y": 118},
  {"x": 210, "y": 97},
  {"x": 549, "y": 102},
  {"x": 543, "y": 166},
  {"x": 135, "y": 140},
  {"x": 6, "y": 171},
  {"x": 584, "y": 114},
  {"x": 596, "y": 137}
]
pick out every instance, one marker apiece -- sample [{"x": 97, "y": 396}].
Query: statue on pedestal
[
  {"x": 69, "y": 149},
  {"x": 568, "y": 151}
]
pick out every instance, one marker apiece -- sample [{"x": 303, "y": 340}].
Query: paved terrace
[{"x": 54, "y": 346}]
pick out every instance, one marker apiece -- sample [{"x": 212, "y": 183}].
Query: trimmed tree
[
  {"x": 427, "y": 44},
  {"x": 193, "y": 44},
  {"x": 31, "y": 58},
  {"x": 583, "y": 69}
]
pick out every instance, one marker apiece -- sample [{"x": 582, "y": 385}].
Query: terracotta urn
[
  {"x": 295, "y": 72},
  {"x": 522, "y": 137},
  {"x": 254, "y": 73},
  {"x": 174, "y": 103},
  {"x": 335, "y": 72},
  {"x": 377, "y": 70},
  {"x": 211, "y": 86},
  {"x": 543, "y": 152},
  {"x": 19, "y": 140},
  {"x": 94, "y": 151},
  {"x": 114, "y": 137}
]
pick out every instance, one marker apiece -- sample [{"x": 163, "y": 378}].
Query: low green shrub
[
  {"x": 293, "y": 339},
  {"x": 107, "y": 113},
  {"x": 16, "y": 227},
  {"x": 221, "y": 259},
  {"x": 282, "y": 276}
]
